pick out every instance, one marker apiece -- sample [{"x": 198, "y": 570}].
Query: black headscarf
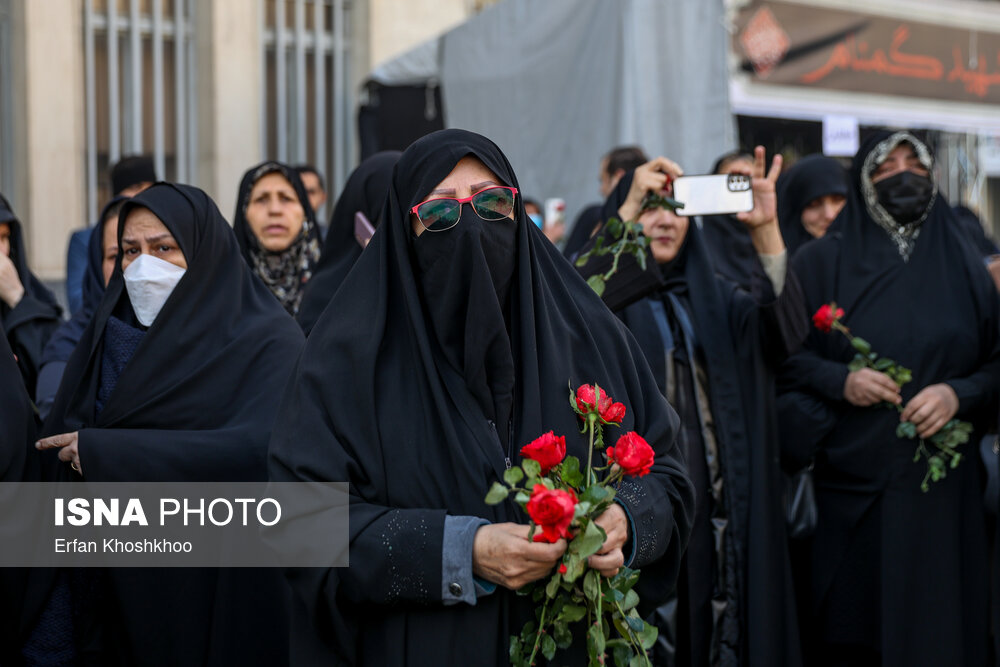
[
  {"x": 365, "y": 191},
  {"x": 398, "y": 412},
  {"x": 32, "y": 322},
  {"x": 285, "y": 273},
  {"x": 810, "y": 178},
  {"x": 63, "y": 341}
]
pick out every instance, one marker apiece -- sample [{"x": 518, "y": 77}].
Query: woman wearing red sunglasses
[{"x": 466, "y": 326}]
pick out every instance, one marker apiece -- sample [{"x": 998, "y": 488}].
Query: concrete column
[
  {"x": 228, "y": 54},
  {"x": 49, "y": 195}
]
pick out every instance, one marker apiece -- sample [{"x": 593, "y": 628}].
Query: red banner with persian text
[{"x": 790, "y": 44}]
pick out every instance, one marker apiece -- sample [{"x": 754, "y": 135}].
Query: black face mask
[{"x": 905, "y": 196}]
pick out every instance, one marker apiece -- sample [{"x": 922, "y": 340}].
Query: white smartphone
[
  {"x": 555, "y": 211},
  {"x": 713, "y": 194}
]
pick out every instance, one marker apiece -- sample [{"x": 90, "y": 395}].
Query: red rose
[
  {"x": 549, "y": 450},
  {"x": 632, "y": 454},
  {"x": 585, "y": 398},
  {"x": 825, "y": 317},
  {"x": 613, "y": 413},
  {"x": 587, "y": 402},
  {"x": 552, "y": 511}
]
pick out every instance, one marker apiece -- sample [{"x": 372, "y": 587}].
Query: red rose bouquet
[
  {"x": 563, "y": 501},
  {"x": 940, "y": 450}
]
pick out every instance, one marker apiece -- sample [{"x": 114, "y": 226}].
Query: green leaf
[
  {"x": 513, "y": 475},
  {"x": 582, "y": 259},
  {"x": 640, "y": 256},
  {"x": 861, "y": 345},
  {"x": 857, "y": 363},
  {"x": 622, "y": 654},
  {"x": 647, "y": 636},
  {"x": 906, "y": 430},
  {"x": 575, "y": 565},
  {"x": 498, "y": 494},
  {"x": 589, "y": 541},
  {"x": 631, "y": 600},
  {"x": 634, "y": 622},
  {"x": 553, "y": 586},
  {"x": 570, "y": 472},
  {"x": 548, "y": 647},
  {"x": 613, "y": 228},
  {"x": 594, "y": 494},
  {"x": 562, "y": 635},
  {"x": 591, "y": 587},
  {"x": 595, "y": 639},
  {"x": 884, "y": 364},
  {"x": 596, "y": 283},
  {"x": 522, "y": 498},
  {"x": 531, "y": 468},
  {"x": 572, "y": 613}
]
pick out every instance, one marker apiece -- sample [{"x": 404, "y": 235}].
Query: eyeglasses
[{"x": 438, "y": 215}]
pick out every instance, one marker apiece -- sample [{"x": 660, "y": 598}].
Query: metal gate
[
  {"x": 140, "y": 74},
  {"x": 305, "y": 96}
]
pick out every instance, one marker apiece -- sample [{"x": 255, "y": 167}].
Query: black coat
[{"x": 402, "y": 417}]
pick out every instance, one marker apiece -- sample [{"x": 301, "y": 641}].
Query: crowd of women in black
[{"x": 413, "y": 366}]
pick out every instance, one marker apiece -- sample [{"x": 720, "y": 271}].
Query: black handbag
[{"x": 801, "y": 514}]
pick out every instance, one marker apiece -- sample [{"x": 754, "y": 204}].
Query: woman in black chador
[
  {"x": 364, "y": 193},
  {"x": 465, "y": 331},
  {"x": 899, "y": 577},
  {"x": 175, "y": 379},
  {"x": 714, "y": 349},
  {"x": 17, "y": 460},
  {"x": 811, "y": 194},
  {"x": 28, "y": 310},
  {"x": 277, "y": 231}
]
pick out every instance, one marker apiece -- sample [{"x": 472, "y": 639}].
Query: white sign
[{"x": 840, "y": 135}]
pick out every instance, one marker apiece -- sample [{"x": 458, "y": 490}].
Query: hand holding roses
[{"x": 502, "y": 553}]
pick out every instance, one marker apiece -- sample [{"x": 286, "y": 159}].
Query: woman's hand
[
  {"x": 650, "y": 177},
  {"x": 501, "y": 553},
  {"x": 11, "y": 289},
  {"x": 762, "y": 220},
  {"x": 866, "y": 387},
  {"x": 610, "y": 557},
  {"x": 931, "y": 409},
  {"x": 70, "y": 452}
]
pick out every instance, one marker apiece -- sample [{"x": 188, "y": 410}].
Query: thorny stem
[
  {"x": 631, "y": 636},
  {"x": 541, "y": 630}
]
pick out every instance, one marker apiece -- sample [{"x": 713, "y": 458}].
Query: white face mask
[{"x": 149, "y": 281}]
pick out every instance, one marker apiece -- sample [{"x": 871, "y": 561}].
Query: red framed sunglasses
[{"x": 493, "y": 203}]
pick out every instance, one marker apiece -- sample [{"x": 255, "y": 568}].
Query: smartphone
[
  {"x": 363, "y": 229},
  {"x": 713, "y": 194},
  {"x": 555, "y": 211}
]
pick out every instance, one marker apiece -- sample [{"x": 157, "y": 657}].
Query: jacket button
[{"x": 455, "y": 589}]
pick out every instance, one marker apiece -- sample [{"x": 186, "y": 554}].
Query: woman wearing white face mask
[{"x": 174, "y": 380}]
